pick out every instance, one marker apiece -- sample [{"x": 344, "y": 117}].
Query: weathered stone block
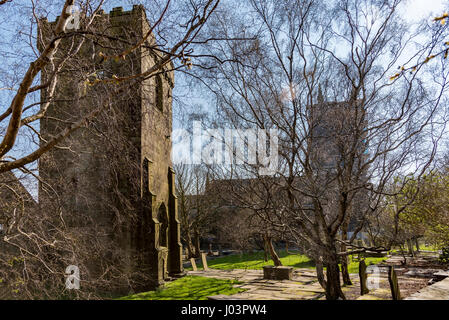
[
  {"x": 277, "y": 273},
  {"x": 204, "y": 261},
  {"x": 394, "y": 285},
  {"x": 193, "y": 263}
]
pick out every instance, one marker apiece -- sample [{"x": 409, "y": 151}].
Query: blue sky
[{"x": 412, "y": 10}]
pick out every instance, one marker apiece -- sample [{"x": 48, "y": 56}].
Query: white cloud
[{"x": 419, "y": 9}]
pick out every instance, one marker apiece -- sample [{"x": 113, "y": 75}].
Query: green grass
[
  {"x": 189, "y": 288},
  {"x": 199, "y": 288},
  {"x": 256, "y": 261},
  {"x": 427, "y": 248},
  {"x": 353, "y": 266},
  {"x": 422, "y": 247}
]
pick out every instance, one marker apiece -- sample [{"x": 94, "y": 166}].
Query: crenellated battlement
[
  {"x": 118, "y": 11},
  {"x": 115, "y": 12}
]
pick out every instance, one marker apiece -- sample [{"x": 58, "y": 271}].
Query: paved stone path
[
  {"x": 436, "y": 291},
  {"x": 304, "y": 285}
]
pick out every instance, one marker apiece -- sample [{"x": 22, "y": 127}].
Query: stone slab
[
  {"x": 437, "y": 291},
  {"x": 440, "y": 275},
  {"x": 422, "y": 273},
  {"x": 277, "y": 273},
  {"x": 204, "y": 261},
  {"x": 193, "y": 263}
]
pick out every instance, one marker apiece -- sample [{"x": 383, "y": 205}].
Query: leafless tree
[
  {"x": 320, "y": 75},
  {"x": 18, "y": 115},
  {"x": 45, "y": 65},
  {"x": 197, "y": 209}
]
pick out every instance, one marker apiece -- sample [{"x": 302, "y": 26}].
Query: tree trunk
[
  {"x": 273, "y": 254},
  {"x": 190, "y": 249},
  {"x": 410, "y": 247},
  {"x": 210, "y": 252},
  {"x": 197, "y": 245},
  {"x": 403, "y": 255},
  {"x": 320, "y": 272},
  {"x": 265, "y": 250},
  {"x": 345, "y": 271},
  {"x": 333, "y": 287},
  {"x": 417, "y": 243},
  {"x": 344, "y": 259}
]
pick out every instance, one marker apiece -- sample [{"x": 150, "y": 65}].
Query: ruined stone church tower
[{"x": 114, "y": 178}]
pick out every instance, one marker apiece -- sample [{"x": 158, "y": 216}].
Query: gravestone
[
  {"x": 394, "y": 285},
  {"x": 204, "y": 261},
  {"x": 192, "y": 261},
  {"x": 363, "y": 278}
]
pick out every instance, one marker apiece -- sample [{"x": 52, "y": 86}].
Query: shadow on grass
[
  {"x": 189, "y": 288},
  {"x": 305, "y": 264},
  {"x": 255, "y": 261}
]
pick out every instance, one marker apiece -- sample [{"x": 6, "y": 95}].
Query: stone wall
[{"x": 114, "y": 176}]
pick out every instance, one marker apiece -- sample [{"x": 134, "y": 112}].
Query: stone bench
[{"x": 277, "y": 273}]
